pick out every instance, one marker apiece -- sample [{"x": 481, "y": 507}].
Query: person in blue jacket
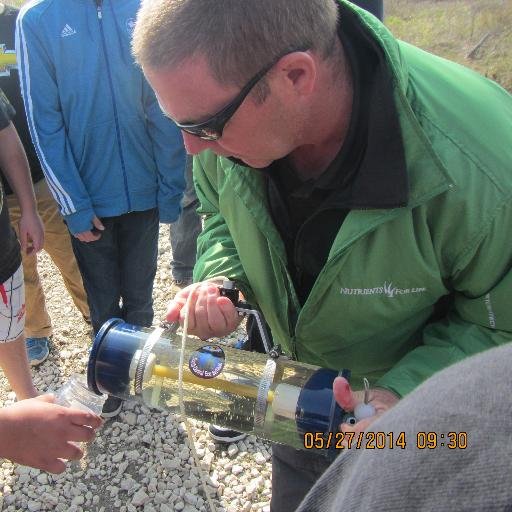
[{"x": 113, "y": 162}]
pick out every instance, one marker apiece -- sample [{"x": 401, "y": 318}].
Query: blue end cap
[
  {"x": 110, "y": 358},
  {"x": 91, "y": 365},
  {"x": 317, "y": 410}
]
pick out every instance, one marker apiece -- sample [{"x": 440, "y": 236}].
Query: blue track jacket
[{"x": 104, "y": 144}]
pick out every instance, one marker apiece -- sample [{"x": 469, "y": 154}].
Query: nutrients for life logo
[
  {"x": 387, "y": 289},
  {"x": 207, "y": 362}
]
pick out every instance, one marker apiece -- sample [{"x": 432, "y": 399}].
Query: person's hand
[
  {"x": 209, "y": 313},
  {"x": 39, "y": 433},
  {"x": 381, "y": 399},
  {"x": 93, "y": 234},
  {"x": 31, "y": 232}
]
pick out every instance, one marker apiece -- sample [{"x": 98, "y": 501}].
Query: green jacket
[{"x": 370, "y": 307}]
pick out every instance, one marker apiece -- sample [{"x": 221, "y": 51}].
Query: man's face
[{"x": 257, "y": 134}]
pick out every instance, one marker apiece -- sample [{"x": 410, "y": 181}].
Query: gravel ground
[{"x": 139, "y": 461}]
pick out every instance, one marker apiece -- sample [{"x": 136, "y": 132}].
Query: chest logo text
[{"x": 387, "y": 289}]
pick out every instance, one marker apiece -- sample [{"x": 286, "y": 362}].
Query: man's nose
[{"x": 194, "y": 145}]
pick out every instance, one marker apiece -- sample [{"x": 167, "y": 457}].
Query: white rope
[{"x": 183, "y": 416}]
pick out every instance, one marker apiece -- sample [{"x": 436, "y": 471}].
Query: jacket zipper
[{"x": 99, "y": 13}]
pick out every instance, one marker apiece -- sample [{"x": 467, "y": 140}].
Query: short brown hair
[{"x": 237, "y": 37}]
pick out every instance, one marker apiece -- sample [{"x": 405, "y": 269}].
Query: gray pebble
[
  {"x": 259, "y": 458},
  {"x": 130, "y": 418},
  {"x": 232, "y": 450},
  {"x": 237, "y": 469},
  {"x": 33, "y": 506},
  {"x": 117, "y": 457},
  {"x": 140, "y": 498}
]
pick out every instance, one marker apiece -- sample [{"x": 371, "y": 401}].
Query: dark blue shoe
[
  {"x": 38, "y": 350},
  {"x": 225, "y": 435},
  {"x": 112, "y": 407}
]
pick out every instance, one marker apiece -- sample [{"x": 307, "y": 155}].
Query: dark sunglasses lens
[{"x": 203, "y": 133}]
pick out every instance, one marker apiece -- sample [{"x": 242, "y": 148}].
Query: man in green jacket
[{"x": 357, "y": 189}]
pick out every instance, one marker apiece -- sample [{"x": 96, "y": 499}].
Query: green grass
[{"x": 453, "y": 28}]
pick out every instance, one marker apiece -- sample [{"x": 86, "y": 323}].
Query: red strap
[{"x": 4, "y": 295}]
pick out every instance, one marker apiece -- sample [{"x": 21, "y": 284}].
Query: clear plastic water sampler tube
[{"x": 270, "y": 397}]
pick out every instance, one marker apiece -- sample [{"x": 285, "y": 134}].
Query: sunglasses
[{"x": 212, "y": 128}]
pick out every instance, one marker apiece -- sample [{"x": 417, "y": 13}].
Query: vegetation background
[{"x": 474, "y": 33}]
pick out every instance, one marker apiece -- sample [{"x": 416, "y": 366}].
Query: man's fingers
[
  {"x": 217, "y": 321},
  {"x": 228, "y": 310},
  {"x": 212, "y": 319},
  {"x": 98, "y": 224},
  {"x": 343, "y": 394},
  {"x": 173, "y": 312},
  {"x": 209, "y": 314},
  {"x": 360, "y": 426},
  {"x": 176, "y": 305},
  {"x": 202, "y": 313},
  {"x": 188, "y": 298}
]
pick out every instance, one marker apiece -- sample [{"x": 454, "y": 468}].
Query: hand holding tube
[
  {"x": 209, "y": 313},
  {"x": 380, "y": 399}
]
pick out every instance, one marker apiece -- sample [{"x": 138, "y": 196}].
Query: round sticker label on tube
[{"x": 207, "y": 362}]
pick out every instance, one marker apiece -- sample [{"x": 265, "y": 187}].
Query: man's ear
[{"x": 298, "y": 72}]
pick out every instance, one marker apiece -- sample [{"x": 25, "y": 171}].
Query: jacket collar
[
  {"x": 419, "y": 153},
  {"x": 427, "y": 177}
]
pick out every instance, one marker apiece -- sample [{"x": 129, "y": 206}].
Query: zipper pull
[{"x": 98, "y": 9}]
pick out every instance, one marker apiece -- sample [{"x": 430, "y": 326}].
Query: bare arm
[{"x": 14, "y": 164}]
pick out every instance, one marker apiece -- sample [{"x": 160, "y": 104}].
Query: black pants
[
  {"x": 294, "y": 472},
  {"x": 121, "y": 265}
]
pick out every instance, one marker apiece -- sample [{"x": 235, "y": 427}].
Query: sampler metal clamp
[
  {"x": 229, "y": 290},
  {"x": 163, "y": 328}
]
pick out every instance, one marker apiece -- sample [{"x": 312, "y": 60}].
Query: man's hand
[
  {"x": 31, "y": 232},
  {"x": 39, "y": 433},
  {"x": 209, "y": 314},
  {"x": 93, "y": 234},
  {"x": 381, "y": 399}
]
